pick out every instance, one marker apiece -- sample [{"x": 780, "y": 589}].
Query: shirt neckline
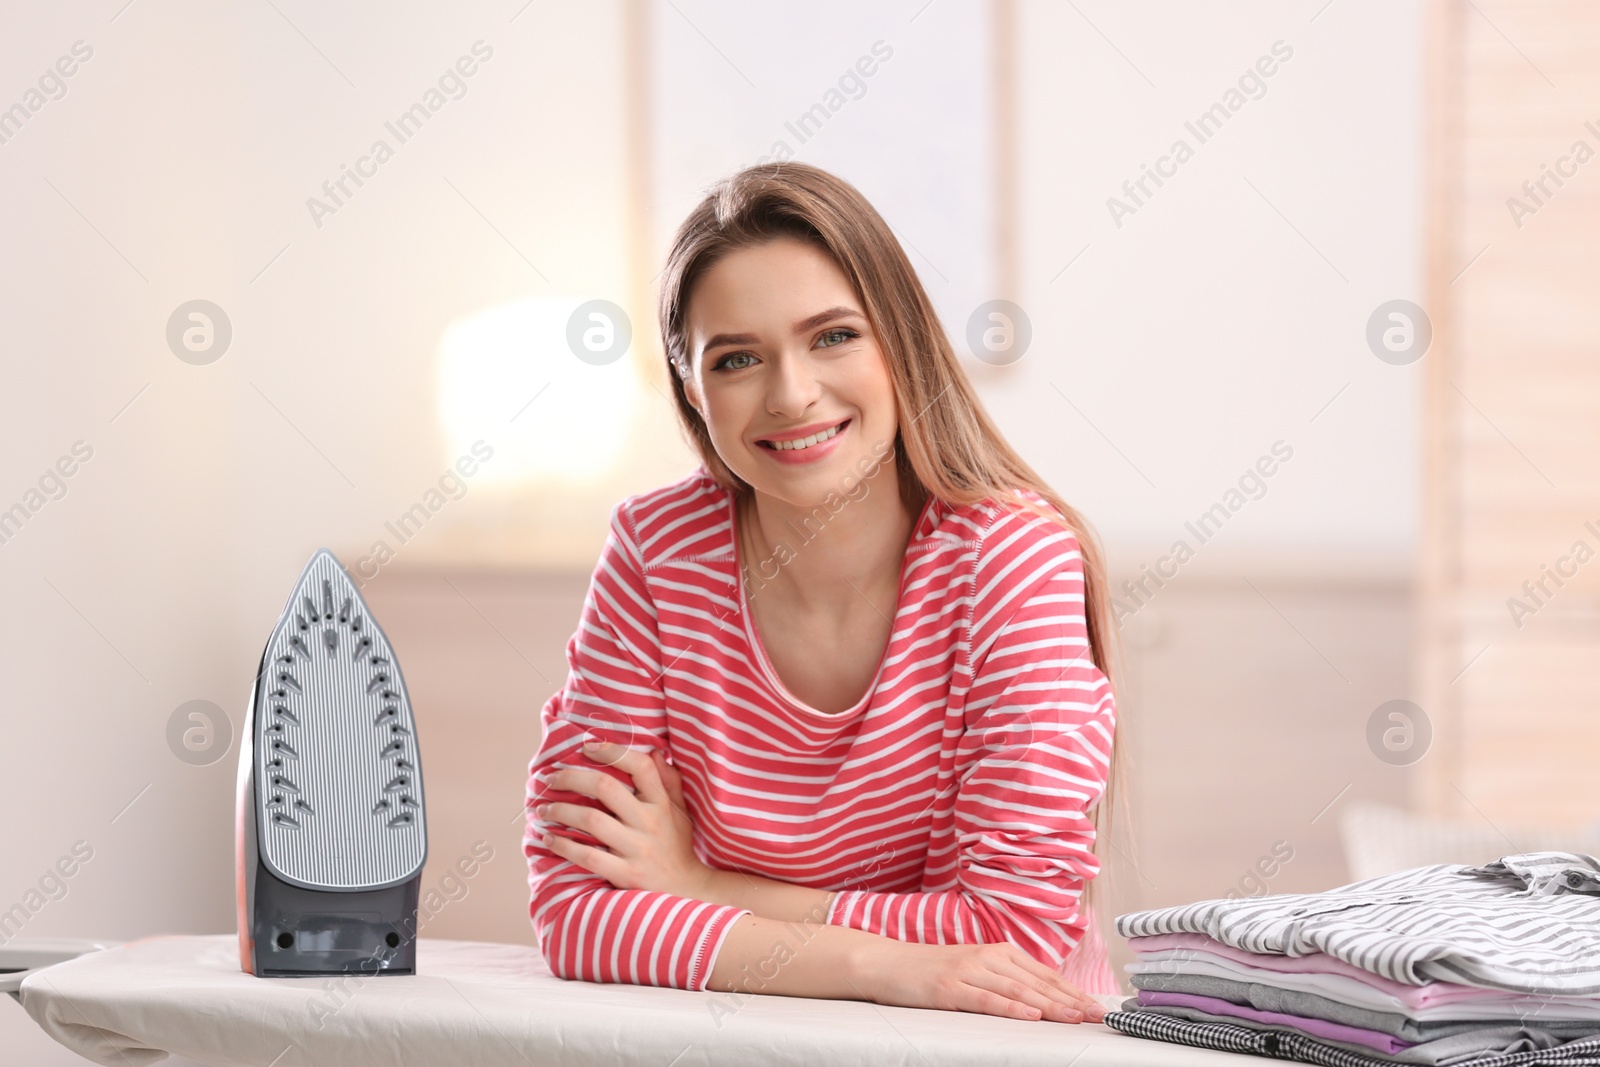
[{"x": 753, "y": 639}]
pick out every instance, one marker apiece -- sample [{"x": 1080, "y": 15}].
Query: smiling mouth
[{"x": 804, "y": 442}]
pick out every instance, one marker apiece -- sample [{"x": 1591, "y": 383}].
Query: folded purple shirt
[
  {"x": 1413, "y": 996},
  {"x": 1385, "y": 1043}
]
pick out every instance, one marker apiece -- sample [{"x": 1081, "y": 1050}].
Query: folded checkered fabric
[{"x": 1288, "y": 1045}]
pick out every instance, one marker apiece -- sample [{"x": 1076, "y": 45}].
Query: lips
[{"x": 801, "y": 434}]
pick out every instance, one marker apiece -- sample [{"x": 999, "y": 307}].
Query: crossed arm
[
  {"x": 785, "y": 937},
  {"x": 648, "y": 838}
]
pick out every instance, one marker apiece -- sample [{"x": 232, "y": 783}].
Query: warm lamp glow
[{"x": 508, "y": 376}]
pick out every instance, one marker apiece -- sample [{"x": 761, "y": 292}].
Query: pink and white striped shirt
[{"x": 948, "y": 806}]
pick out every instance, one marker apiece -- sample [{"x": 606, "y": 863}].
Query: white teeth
[{"x": 804, "y": 442}]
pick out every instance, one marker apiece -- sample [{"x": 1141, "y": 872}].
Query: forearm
[
  {"x": 767, "y": 897},
  {"x": 798, "y": 959},
  {"x": 946, "y": 917},
  {"x": 1047, "y": 930}
]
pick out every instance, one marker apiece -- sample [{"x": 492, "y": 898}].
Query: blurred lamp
[{"x": 510, "y": 375}]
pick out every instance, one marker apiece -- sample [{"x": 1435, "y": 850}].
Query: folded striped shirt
[{"x": 1526, "y": 923}]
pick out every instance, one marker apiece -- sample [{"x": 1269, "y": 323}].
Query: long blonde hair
[{"x": 946, "y": 445}]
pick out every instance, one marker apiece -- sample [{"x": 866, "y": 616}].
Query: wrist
[
  {"x": 709, "y": 886},
  {"x": 861, "y": 956}
]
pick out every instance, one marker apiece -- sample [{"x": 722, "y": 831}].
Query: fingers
[
  {"x": 597, "y": 824},
  {"x": 1009, "y": 972},
  {"x": 594, "y": 860},
  {"x": 989, "y": 1002},
  {"x": 1070, "y": 1004},
  {"x": 1024, "y": 997},
  {"x": 615, "y": 795},
  {"x": 669, "y": 775},
  {"x": 1059, "y": 987},
  {"x": 600, "y": 750},
  {"x": 640, "y": 766}
]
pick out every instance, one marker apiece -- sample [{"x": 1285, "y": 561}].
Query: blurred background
[{"x": 1300, "y": 312}]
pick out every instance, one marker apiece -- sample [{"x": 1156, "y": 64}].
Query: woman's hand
[
  {"x": 990, "y": 979},
  {"x": 647, "y": 829}
]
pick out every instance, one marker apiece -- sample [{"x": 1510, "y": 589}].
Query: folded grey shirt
[
  {"x": 1296, "y": 1002},
  {"x": 1526, "y": 923}
]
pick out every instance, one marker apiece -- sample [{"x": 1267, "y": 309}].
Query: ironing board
[{"x": 479, "y": 1004}]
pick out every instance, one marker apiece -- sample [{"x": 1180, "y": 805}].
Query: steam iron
[{"x": 330, "y": 836}]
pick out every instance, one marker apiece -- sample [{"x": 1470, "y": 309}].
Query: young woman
[{"x": 853, "y": 717}]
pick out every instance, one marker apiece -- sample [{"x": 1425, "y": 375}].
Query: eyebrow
[{"x": 805, "y": 324}]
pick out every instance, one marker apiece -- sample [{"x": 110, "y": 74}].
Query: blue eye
[{"x": 723, "y": 362}]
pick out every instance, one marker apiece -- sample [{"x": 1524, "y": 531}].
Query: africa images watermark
[
  {"x": 1252, "y": 485},
  {"x": 52, "y": 86},
  {"x": 51, "y": 485},
  {"x": 337, "y": 191},
  {"x": 199, "y": 733},
  {"x": 52, "y": 886},
  {"x": 1566, "y": 167},
  {"x": 851, "y": 85},
  {"x": 1399, "y": 732},
  {"x": 1536, "y": 592},
  {"x": 452, "y": 485},
  {"x": 1255, "y": 878},
  {"x": 1204, "y": 127}
]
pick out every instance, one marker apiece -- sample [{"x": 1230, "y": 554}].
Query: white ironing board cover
[{"x": 480, "y": 1004}]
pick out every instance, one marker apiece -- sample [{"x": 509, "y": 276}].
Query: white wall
[{"x": 1230, "y": 309}]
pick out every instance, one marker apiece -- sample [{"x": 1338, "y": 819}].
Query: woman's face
[{"x": 779, "y": 348}]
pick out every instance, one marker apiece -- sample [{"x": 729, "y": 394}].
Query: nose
[{"x": 794, "y": 387}]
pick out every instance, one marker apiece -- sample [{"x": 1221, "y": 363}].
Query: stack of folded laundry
[{"x": 1446, "y": 966}]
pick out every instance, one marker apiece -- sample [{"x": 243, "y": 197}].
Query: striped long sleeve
[
  {"x": 950, "y": 803},
  {"x": 587, "y": 928},
  {"x": 1033, "y": 763}
]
